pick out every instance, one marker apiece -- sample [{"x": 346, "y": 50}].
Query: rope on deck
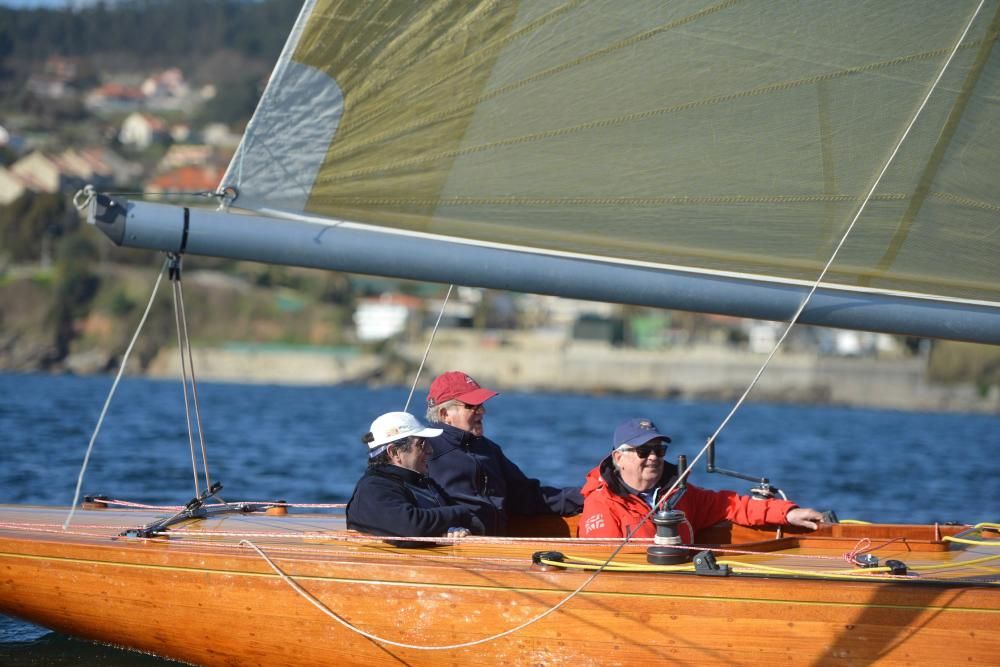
[
  {"x": 175, "y": 508},
  {"x": 382, "y": 640}
]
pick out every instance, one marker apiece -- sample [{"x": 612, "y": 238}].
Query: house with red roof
[{"x": 189, "y": 178}]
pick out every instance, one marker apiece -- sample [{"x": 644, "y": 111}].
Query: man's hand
[{"x": 804, "y": 517}]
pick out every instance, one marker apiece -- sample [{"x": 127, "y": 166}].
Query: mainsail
[{"x": 698, "y": 155}]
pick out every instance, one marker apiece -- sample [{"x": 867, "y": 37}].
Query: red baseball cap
[{"x": 457, "y": 385}]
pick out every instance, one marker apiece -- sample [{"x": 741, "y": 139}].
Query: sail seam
[
  {"x": 816, "y": 284},
  {"x": 675, "y": 200},
  {"x": 367, "y": 91},
  {"x": 687, "y": 270},
  {"x": 484, "y": 54},
  {"x": 843, "y": 239},
  {"x": 603, "y": 123},
  {"x": 945, "y": 138},
  {"x": 465, "y": 107}
]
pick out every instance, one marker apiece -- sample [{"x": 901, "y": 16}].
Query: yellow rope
[
  {"x": 855, "y": 575},
  {"x": 979, "y": 527},
  {"x": 964, "y": 563},
  {"x": 579, "y": 563},
  {"x": 740, "y": 567},
  {"x": 977, "y": 543}
]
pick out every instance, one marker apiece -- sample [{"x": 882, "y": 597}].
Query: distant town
[{"x": 136, "y": 115}]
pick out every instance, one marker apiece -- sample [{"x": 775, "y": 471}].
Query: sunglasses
[
  {"x": 644, "y": 451},
  {"x": 414, "y": 443}
]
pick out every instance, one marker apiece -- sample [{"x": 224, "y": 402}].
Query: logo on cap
[{"x": 457, "y": 385}]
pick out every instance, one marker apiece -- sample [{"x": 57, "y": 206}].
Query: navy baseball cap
[{"x": 635, "y": 433}]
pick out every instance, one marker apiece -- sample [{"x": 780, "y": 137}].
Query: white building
[
  {"x": 140, "y": 130},
  {"x": 11, "y": 186},
  {"x": 384, "y": 316}
]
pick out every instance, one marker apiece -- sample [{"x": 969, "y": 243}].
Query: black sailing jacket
[
  {"x": 475, "y": 472},
  {"x": 389, "y": 500}
]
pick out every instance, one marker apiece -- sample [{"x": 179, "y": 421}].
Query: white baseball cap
[{"x": 393, "y": 426}]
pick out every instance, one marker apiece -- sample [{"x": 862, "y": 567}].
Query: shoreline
[{"x": 700, "y": 373}]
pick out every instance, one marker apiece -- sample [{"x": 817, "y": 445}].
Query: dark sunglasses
[{"x": 644, "y": 451}]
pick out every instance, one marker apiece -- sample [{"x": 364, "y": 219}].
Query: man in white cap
[
  {"x": 394, "y": 496},
  {"x": 473, "y": 470}
]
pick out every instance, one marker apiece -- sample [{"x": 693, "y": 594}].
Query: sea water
[{"x": 302, "y": 444}]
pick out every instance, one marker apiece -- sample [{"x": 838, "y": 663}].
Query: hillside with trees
[
  {"x": 68, "y": 298},
  {"x": 149, "y": 33}
]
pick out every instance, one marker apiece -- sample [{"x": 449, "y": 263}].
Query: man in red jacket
[{"x": 620, "y": 491}]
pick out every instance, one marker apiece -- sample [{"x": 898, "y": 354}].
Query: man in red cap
[{"x": 473, "y": 470}]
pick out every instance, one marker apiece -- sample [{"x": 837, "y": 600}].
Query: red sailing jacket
[{"x": 609, "y": 510}]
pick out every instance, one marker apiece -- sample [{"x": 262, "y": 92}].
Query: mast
[{"x": 359, "y": 248}]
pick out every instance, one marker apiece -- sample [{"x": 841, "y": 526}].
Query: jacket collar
[
  {"x": 455, "y": 436},
  {"x": 605, "y": 475},
  {"x": 404, "y": 475}
]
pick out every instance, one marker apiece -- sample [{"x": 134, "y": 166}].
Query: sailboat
[{"x": 816, "y": 162}]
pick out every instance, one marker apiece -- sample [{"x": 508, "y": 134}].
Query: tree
[
  {"x": 73, "y": 291},
  {"x": 29, "y": 220}
]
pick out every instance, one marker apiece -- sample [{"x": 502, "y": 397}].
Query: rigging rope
[
  {"x": 427, "y": 350},
  {"x": 174, "y": 278},
  {"x": 794, "y": 320},
  {"x": 184, "y": 344},
  {"x": 795, "y": 317},
  {"x": 107, "y": 402}
]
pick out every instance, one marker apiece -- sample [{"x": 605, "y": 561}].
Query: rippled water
[{"x": 302, "y": 444}]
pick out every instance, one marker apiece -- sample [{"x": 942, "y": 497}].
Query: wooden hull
[{"x": 201, "y": 598}]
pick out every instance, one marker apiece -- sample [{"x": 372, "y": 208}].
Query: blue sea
[{"x": 302, "y": 444}]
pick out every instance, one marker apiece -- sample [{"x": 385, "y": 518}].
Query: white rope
[
  {"x": 427, "y": 350},
  {"x": 351, "y": 536},
  {"x": 184, "y": 385},
  {"x": 843, "y": 238},
  {"x": 194, "y": 386},
  {"x": 446, "y": 647},
  {"x": 81, "y": 199},
  {"x": 107, "y": 402},
  {"x": 818, "y": 280}
]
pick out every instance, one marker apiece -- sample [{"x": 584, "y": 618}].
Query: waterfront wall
[{"x": 524, "y": 362}]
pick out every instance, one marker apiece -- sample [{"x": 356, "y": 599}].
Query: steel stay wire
[
  {"x": 184, "y": 345},
  {"x": 180, "y": 318},
  {"x": 111, "y": 393},
  {"x": 427, "y": 350}
]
